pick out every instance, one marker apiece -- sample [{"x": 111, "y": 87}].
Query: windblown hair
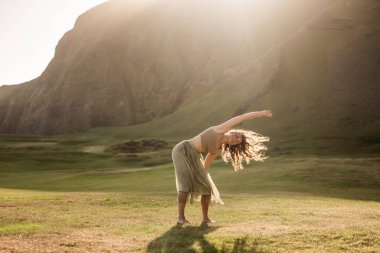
[{"x": 251, "y": 148}]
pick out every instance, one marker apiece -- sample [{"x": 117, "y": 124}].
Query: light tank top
[{"x": 209, "y": 140}]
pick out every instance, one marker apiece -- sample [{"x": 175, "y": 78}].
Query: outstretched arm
[{"x": 229, "y": 124}]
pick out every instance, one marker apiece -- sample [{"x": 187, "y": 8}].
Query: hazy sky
[{"x": 29, "y": 33}]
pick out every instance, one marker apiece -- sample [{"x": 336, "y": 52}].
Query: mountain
[{"x": 178, "y": 66}]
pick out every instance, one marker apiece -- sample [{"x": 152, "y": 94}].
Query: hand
[{"x": 266, "y": 113}]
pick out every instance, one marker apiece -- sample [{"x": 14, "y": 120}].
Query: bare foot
[
  {"x": 208, "y": 220},
  {"x": 182, "y": 221}
]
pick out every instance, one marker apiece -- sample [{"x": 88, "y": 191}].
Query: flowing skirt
[{"x": 190, "y": 175}]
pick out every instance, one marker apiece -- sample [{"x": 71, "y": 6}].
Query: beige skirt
[{"x": 190, "y": 174}]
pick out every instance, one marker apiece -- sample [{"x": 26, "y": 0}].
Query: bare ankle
[
  {"x": 207, "y": 220},
  {"x": 182, "y": 221}
]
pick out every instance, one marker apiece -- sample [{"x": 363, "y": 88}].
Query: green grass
[
  {"x": 21, "y": 227},
  {"x": 277, "y": 221},
  {"x": 63, "y": 197}
]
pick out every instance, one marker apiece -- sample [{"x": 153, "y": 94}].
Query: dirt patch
[
  {"x": 6, "y": 206},
  {"x": 81, "y": 241},
  {"x": 138, "y": 146}
]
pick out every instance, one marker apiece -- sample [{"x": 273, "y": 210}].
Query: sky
[{"x": 29, "y": 33}]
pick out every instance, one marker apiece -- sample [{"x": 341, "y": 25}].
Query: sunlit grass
[
  {"x": 272, "y": 221},
  {"x": 66, "y": 197}
]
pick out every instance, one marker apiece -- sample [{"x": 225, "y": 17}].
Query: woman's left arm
[{"x": 229, "y": 124}]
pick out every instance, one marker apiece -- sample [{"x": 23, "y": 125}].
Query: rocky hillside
[{"x": 184, "y": 65}]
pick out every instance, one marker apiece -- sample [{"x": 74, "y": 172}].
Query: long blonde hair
[{"x": 251, "y": 148}]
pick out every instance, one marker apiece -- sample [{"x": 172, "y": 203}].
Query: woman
[{"x": 191, "y": 170}]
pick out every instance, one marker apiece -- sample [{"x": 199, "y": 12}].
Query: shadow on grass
[
  {"x": 182, "y": 239},
  {"x": 241, "y": 245},
  {"x": 192, "y": 239}
]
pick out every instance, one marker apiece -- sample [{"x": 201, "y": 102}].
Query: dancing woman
[{"x": 191, "y": 170}]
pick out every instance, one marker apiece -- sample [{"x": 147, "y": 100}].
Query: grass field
[{"x": 60, "y": 194}]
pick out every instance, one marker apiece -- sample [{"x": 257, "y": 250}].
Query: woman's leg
[
  {"x": 205, "y": 202},
  {"x": 182, "y": 199}
]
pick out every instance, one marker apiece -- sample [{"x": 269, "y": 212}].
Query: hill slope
[{"x": 180, "y": 66}]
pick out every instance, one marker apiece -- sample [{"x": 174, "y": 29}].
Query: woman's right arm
[
  {"x": 208, "y": 160},
  {"x": 229, "y": 124}
]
